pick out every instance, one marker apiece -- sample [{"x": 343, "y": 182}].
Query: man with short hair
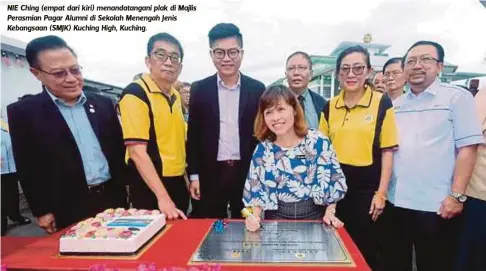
[
  {"x": 222, "y": 110},
  {"x": 67, "y": 144},
  {"x": 185, "y": 95},
  {"x": 394, "y": 78},
  {"x": 439, "y": 136},
  {"x": 379, "y": 82},
  {"x": 298, "y": 72},
  {"x": 154, "y": 131}
]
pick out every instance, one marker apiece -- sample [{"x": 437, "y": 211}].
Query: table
[{"x": 174, "y": 247}]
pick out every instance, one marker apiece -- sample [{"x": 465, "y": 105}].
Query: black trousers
[
  {"x": 434, "y": 240},
  {"x": 142, "y": 196},
  {"x": 472, "y": 240},
  {"x": 354, "y": 210},
  {"x": 10, "y": 199},
  {"x": 215, "y": 194},
  {"x": 101, "y": 197}
]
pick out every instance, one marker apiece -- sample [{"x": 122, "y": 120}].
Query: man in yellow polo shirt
[{"x": 154, "y": 131}]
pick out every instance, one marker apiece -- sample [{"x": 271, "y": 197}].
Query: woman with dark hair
[
  {"x": 361, "y": 125},
  {"x": 294, "y": 172}
]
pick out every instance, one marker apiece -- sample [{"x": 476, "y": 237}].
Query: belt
[
  {"x": 230, "y": 163},
  {"x": 97, "y": 188}
]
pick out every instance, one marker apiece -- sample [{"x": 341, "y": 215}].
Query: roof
[
  {"x": 345, "y": 44},
  {"x": 13, "y": 45},
  {"x": 18, "y": 47}
]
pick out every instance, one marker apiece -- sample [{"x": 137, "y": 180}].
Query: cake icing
[{"x": 114, "y": 231}]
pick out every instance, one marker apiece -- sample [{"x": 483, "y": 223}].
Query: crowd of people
[{"x": 401, "y": 170}]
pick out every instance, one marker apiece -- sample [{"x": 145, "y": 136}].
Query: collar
[
  {"x": 221, "y": 82},
  {"x": 305, "y": 94},
  {"x": 152, "y": 86},
  {"x": 365, "y": 101},
  {"x": 81, "y": 100},
  {"x": 432, "y": 89}
]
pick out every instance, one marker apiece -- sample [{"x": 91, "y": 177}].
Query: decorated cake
[{"x": 115, "y": 231}]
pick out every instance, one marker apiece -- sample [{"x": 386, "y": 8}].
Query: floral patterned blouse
[{"x": 309, "y": 170}]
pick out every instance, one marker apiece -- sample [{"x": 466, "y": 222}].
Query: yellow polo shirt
[
  {"x": 358, "y": 133},
  {"x": 151, "y": 117}
]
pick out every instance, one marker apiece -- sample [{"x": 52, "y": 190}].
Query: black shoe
[{"x": 21, "y": 220}]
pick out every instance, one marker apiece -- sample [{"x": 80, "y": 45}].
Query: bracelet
[{"x": 380, "y": 195}]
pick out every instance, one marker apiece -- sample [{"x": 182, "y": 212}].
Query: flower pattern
[{"x": 310, "y": 170}]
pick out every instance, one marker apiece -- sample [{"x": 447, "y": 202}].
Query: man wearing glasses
[
  {"x": 222, "y": 110},
  {"x": 394, "y": 78},
  {"x": 439, "y": 136},
  {"x": 154, "y": 131},
  {"x": 67, "y": 144},
  {"x": 298, "y": 71}
]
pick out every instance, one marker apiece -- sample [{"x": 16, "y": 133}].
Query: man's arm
[
  {"x": 116, "y": 141},
  {"x": 193, "y": 134},
  {"x": 465, "y": 161},
  {"x": 138, "y": 153},
  {"x": 467, "y": 136}
]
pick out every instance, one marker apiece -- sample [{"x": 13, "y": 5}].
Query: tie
[{"x": 301, "y": 101}]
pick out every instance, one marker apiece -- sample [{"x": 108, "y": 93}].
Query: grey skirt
[{"x": 305, "y": 210}]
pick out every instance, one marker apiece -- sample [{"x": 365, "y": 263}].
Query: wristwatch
[{"x": 459, "y": 197}]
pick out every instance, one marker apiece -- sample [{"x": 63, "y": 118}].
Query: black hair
[
  {"x": 355, "y": 49},
  {"x": 394, "y": 60},
  {"x": 438, "y": 48},
  {"x": 224, "y": 30},
  {"x": 167, "y": 38},
  {"x": 41, "y": 44},
  {"x": 304, "y": 54}
]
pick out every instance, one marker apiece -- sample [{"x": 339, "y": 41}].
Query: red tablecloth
[{"x": 175, "y": 247}]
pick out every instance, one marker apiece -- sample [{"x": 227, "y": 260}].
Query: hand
[
  {"x": 377, "y": 206},
  {"x": 252, "y": 223},
  {"x": 450, "y": 208},
  {"x": 194, "y": 190},
  {"x": 330, "y": 218},
  {"x": 47, "y": 222},
  {"x": 168, "y": 208}
]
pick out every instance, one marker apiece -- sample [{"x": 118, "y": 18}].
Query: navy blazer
[
  {"x": 319, "y": 103},
  {"x": 204, "y": 125},
  {"x": 48, "y": 160}
]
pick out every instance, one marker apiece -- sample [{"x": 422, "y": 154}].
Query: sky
[{"x": 272, "y": 30}]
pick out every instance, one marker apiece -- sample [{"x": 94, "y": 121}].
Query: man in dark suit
[
  {"x": 67, "y": 144},
  {"x": 298, "y": 71},
  {"x": 220, "y": 140}
]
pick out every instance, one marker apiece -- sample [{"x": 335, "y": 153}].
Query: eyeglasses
[
  {"x": 75, "y": 71},
  {"x": 357, "y": 70},
  {"x": 221, "y": 53},
  {"x": 395, "y": 74},
  {"x": 425, "y": 60},
  {"x": 163, "y": 55},
  {"x": 300, "y": 68}
]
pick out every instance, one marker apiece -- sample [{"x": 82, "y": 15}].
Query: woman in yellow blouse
[{"x": 361, "y": 125}]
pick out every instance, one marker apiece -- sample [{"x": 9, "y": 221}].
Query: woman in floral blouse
[{"x": 294, "y": 173}]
